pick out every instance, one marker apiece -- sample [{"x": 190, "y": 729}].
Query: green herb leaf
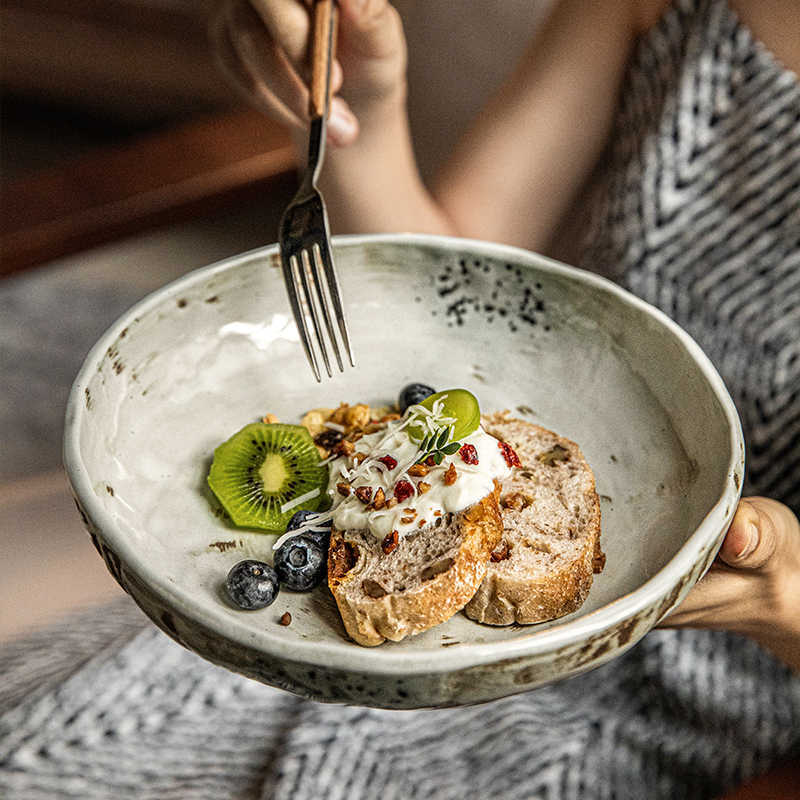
[
  {"x": 437, "y": 458},
  {"x": 454, "y": 447},
  {"x": 443, "y": 437}
]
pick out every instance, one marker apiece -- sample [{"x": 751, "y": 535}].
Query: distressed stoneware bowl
[{"x": 200, "y": 358}]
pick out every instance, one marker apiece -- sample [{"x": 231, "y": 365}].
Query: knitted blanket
[{"x": 105, "y": 706}]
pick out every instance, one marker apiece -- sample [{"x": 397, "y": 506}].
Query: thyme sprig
[{"x": 437, "y": 445}]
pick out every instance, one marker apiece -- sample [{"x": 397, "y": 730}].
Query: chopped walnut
[
  {"x": 379, "y": 501},
  {"x": 270, "y": 419},
  {"x": 344, "y": 448},
  {"x": 364, "y": 494},
  {"x": 323, "y": 453},
  {"x": 451, "y": 475},
  {"x": 407, "y": 520},
  {"x": 391, "y": 502},
  {"x": 501, "y": 553},
  {"x": 343, "y": 488},
  {"x": 423, "y": 487},
  {"x": 358, "y": 416},
  {"x": 516, "y": 500},
  {"x": 418, "y": 471},
  {"x": 389, "y": 417},
  {"x": 286, "y": 619},
  {"x": 422, "y": 523},
  {"x": 359, "y": 457},
  {"x": 314, "y": 420},
  {"x": 352, "y": 417},
  {"x": 337, "y": 415},
  {"x": 390, "y": 542}
]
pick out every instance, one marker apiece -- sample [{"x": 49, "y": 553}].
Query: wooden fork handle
[{"x": 323, "y": 51}]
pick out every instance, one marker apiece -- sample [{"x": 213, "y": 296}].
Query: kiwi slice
[
  {"x": 261, "y": 468},
  {"x": 460, "y": 404}
]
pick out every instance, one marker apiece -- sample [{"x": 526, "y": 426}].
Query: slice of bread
[
  {"x": 426, "y": 579},
  {"x": 550, "y": 549}
]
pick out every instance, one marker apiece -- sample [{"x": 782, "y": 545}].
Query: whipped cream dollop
[{"x": 380, "y": 486}]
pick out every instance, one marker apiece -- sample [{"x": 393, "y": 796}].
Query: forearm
[
  {"x": 374, "y": 184},
  {"x": 524, "y": 161}
]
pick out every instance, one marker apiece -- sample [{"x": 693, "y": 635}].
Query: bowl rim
[{"x": 347, "y": 655}]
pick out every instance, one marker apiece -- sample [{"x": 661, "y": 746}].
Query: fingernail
[{"x": 752, "y": 541}]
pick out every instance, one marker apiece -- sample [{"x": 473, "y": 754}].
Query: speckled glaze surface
[{"x": 200, "y": 358}]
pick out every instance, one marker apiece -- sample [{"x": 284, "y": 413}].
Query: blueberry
[
  {"x": 252, "y": 584},
  {"x": 322, "y": 537},
  {"x": 412, "y": 394},
  {"x": 300, "y": 563}
]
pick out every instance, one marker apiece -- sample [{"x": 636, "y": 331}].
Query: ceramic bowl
[{"x": 200, "y": 358}]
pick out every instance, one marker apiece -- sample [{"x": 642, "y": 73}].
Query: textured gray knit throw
[
  {"x": 105, "y": 706},
  {"x": 699, "y": 214}
]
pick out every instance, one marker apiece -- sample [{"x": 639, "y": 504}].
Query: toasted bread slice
[
  {"x": 550, "y": 549},
  {"x": 426, "y": 579}
]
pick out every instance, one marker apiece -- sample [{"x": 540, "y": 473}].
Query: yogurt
[{"x": 381, "y": 487}]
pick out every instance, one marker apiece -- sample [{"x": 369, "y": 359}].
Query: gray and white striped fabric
[{"x": 701, "y": 216}]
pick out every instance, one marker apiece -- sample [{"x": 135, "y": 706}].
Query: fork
[{"x": 306, "y": 256}]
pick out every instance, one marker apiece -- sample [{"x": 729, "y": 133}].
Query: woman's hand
[
  {"x": 754, "y": 585},
  {"x": 262, "y": 45}
]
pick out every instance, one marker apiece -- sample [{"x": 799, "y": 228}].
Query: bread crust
[
  {"x": 515, "y": 589},
  {"x": 372, "y": 620}
]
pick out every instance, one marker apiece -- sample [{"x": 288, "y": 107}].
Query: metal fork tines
[
  {"x": 310, "y": 276},
  {"x": 306, "y": 256}
]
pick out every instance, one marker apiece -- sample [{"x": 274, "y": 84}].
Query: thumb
[{"x": 752, "y": 538}]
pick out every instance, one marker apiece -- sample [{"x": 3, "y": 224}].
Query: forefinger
[{"x": 288, "y": 24}]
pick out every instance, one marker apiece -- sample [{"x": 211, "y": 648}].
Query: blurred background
[{"x": 126, "y": 161}]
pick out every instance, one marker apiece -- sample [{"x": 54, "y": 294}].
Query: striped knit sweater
[{"x": 700, "y": 214}]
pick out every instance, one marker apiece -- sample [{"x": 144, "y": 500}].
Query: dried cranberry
[
  {"x": 403, "y": 490},
  {"x": 390, "y": 462},
  {"x": 389, "y": 543},
  {"x": 468, "y": 453},
  {"x": 512, "y": 459}
]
